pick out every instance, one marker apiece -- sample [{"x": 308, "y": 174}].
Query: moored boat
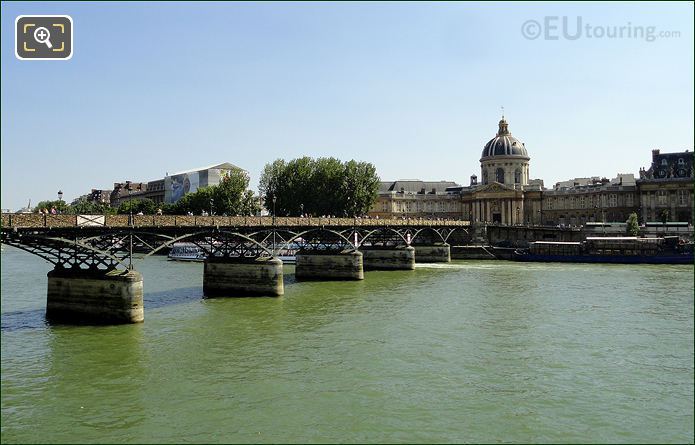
[
  {"x": 186, "y": 252},
  {"x": 624, "y": 249}
]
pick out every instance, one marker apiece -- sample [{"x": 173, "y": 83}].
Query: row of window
[
  {"x": 683, "y": 197},
  {"x": 499, "y": 176},
  {"x": 586, "y": 201},
  {"x": 410, "y": 206},
  {"x": 681, "y": 161},
  {"x": 550, "y": 203}
]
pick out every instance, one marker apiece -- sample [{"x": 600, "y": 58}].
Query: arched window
[
  {"x": 681, "y": 161},
  {"x": 484, "y": 176},
  {"x": 499, "y": 175},
  {"x": 517, "y": 176},
  {"x": 664, "y": 162}
]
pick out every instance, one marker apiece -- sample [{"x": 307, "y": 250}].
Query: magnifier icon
[{"x": 42, "y": 35}]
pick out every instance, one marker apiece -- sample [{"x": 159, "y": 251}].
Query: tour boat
[
  {"x": 288, "y": 255},
  {"x": 186, "y": 252},
  {"x": 623, "y": 249},
  {"x": 287, "y": 259}
]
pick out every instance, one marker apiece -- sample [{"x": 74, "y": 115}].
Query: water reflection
[
  {"x": 98, "y": 378},
  {"x": 20, "y": 320}
]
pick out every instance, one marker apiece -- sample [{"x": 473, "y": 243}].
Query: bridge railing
[{"x": 31, "y": 220}]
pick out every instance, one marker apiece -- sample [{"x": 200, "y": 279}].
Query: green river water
[{"x": 470, "y": 351}]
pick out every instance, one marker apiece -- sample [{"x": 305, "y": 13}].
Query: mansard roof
[{"x": 414, "y": 186}]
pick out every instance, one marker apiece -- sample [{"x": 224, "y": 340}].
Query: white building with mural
[{"x": 178, "y": 184}]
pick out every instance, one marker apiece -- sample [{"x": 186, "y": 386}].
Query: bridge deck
[{"x": 35, "y": 220}]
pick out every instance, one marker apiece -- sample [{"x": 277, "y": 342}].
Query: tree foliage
[
  {"x": 323, "y": 186},
  {"x": 60, "y": 206},
  {"x": 80, "y": 206},
  {"x": 665, "y": 214},
  {"x": 86, "y": 207},
  {"x": 632, "y": 224},
  {"x": 135, "y": 206}
]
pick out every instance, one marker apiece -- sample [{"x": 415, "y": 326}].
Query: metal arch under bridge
[{"x": 108, "y": 242}]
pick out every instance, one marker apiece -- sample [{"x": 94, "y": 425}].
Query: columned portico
[{"x": 496, "y": 203}]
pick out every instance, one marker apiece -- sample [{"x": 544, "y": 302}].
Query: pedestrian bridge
[{"x": 94, "y": 280}]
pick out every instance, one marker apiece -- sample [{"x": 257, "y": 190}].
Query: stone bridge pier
[
  {"x": 388, "y": 258},
  {"x": 331, "y": 265},
  {"x": 241, "y": 277},
  {"x": 89, "y": 284},
  {"x": 94, "y": 296},
  {"x": 434, "y": 253},
  {"x": 236, "y": 265},
  {"x": 431, "y": 246}
]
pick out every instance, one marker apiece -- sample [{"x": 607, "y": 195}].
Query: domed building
[
  {"x": 505, "y": 159},
  {"x": 504, "y": 194}
]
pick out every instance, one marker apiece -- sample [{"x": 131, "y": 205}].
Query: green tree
[
  {"x": 664, "y": 216},
  {"x": 632, "y": 224},
  {"x": 362, "y": 186},
  {"x": 325, "y": 192},
  {"x": 270, "y": 184},
  {"x": 196, "y": 203},
  {"x": 228, "y": 196},
  {"x": 322, "y": 186},
  {"x": 60, "y": 206},
  {"x": 169, "y": 209},
  {"x": 294, "y": 186},
  {"x": 85, "y": 207},
  {"x": 135, "y": 206},
  {"x": 249, "y": 204}
]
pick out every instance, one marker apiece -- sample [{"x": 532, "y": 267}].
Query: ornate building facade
[
  {"x": 417, "y": 199},
  {"x": 666, "y": 187},
  {"x": 602, "y": 200},
  {"x": 506, "y": 195}
]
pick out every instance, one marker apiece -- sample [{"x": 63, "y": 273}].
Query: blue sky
[{"x": 416, "y": 89}]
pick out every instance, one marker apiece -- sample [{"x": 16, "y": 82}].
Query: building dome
[
  {"x": 505, "y": 159},
  {"x": 504, "y": 144}
]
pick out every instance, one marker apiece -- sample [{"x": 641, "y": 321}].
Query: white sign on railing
[{"x": 90, "y": 220}]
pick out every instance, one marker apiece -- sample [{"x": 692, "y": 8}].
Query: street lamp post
[
  {"x": 301, "y": 210},
  {"x": 60, "y": 198},
  {"x": 130, "y": 205},
  {"x": 603, "y": 217},
  {"x": 211, "y": 202},
  {"x": 274, "y": 201},
  {"x": 130, "y": 243}
]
